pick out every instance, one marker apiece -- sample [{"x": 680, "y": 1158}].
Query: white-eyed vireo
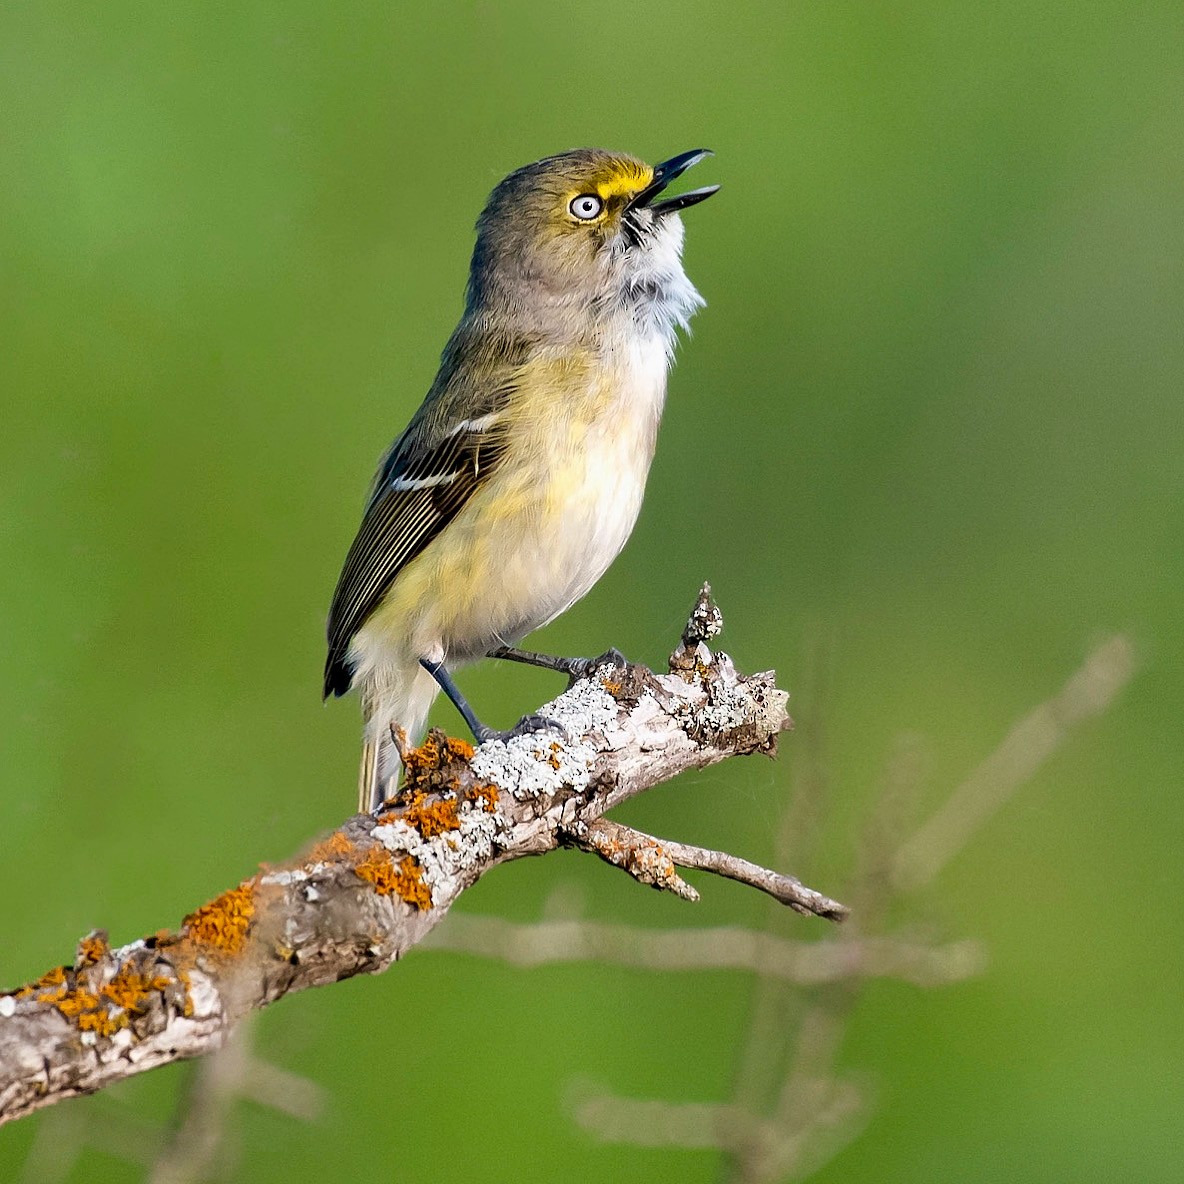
[{"x": 519, "y": 479}]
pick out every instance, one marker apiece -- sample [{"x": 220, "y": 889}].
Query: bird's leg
[
  {"x": 574, "y": 668},
  {"x": 482, "y": 732}
]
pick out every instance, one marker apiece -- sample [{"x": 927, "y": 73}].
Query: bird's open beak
[{"x": 663, "y": 175}]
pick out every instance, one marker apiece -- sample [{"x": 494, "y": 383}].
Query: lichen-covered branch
[{"x": 359, "y": 899}]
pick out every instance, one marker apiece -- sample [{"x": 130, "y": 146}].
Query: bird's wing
[{"x": 427, "y": 477}]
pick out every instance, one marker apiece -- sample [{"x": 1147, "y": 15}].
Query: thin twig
[
  {"x": 64, "y": 1137},
  {"x": 217, "y": 1084},
  {"x": 751, "y": 951},
  {"x": 652, "y": 861},
  {"x": 1088, "y": 692}
]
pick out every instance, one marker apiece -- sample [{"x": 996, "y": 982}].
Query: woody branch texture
[{"x": 357, "y": 900}]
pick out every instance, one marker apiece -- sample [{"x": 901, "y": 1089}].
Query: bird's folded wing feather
[{"x": 427, "y": 477}]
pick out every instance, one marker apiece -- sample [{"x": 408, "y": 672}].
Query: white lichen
[
  {"x": 285, "y": 877},
  {"x": 443, "y": 856},
  {"x": 539, "y": 764}
]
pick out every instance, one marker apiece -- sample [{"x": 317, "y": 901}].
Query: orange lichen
[
  {"x": 92, "y": 948},
  {"x": 433, "y": 764},
  {"x": 485, "y": 794},
  {"x": 222, "y": 924},
  {"x": 405, "y": 881},
  {"x": 131, "y": 989},
  {"x": 437, "y": 749},
  {"x": 102, "y": 1022},
  {"x": 97, "y": 1001},
  {"x": 410, "y": 885},
  {"x": 432, "y": 815},
  {"x": 50, "y": 979},
  {"x": 329, "y": 850},
  {"x": 433, "y": 818},
  {"x": 379, "y": 869},
  {"x": 104, "y": 1010},
  {"x": 73, "y": 1003}
]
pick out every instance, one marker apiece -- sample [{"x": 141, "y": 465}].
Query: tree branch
[
  {"x": 652, "y": 861},
  {"x": 361, "y": 898},
  {"x": 804, "y": 963}
]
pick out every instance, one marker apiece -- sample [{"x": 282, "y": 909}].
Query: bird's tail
[{"x": 400, "y": 703}]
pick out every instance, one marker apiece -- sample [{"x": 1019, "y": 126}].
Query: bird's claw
[
  {"x": 527, "y": 725},
  {"x": 586, "y": 667}
]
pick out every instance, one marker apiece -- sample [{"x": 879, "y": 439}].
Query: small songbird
[{"x": 520, "y": 478}]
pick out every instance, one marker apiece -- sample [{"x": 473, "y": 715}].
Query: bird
[{"x": 519, "y": 479}]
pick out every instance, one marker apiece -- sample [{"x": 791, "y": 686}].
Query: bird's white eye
[{"x": 585, "y": 207}]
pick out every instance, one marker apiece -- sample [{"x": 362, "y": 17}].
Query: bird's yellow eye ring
[{"x": 585, "y": 207}]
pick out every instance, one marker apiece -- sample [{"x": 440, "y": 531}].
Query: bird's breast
[
  {"x": 594, "y": 453},
  {"x": 564, "y": 499}
]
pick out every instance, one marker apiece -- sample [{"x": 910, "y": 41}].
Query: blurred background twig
[{"x": 787, "y": 1132}]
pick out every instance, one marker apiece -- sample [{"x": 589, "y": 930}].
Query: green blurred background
[{"x": 926, "y": 443}]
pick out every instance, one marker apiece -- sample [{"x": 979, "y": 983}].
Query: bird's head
[{"x": 582, "y": 226}]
